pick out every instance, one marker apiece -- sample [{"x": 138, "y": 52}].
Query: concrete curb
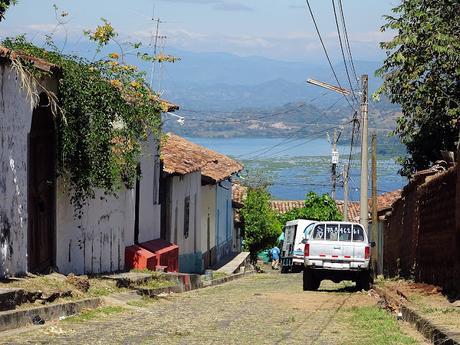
[
  {"x": 19, "y": 318},
  {"x": 437, "y": 335},
  {"x": 180, "y": 289},
  {"x": 229, "y": 278}
]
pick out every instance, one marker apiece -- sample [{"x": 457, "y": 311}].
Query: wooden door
[{"x": 41, "y": 191}]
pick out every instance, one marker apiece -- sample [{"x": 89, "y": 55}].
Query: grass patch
[
  {"x": 93, "y": 314},
  {"x": 157, "y": 282},
  {"x": 141, "y": 303},
  {"x": 377, "y": 327},
  {"x": 218, "y": 275}
]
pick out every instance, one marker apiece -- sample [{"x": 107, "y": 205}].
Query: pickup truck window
[
  {"x": 358, "y": 233},
  {"x": 318, "y": 233},
  {"x": 345, "y": 232},
  {"x": 332, "y": 232},
  {"x": 308, "y": 230}
]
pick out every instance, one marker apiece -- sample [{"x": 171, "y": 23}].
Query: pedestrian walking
[{"x": 275, "y": 252}]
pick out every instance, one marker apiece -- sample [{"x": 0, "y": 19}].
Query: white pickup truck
[
  {"x": 293, "y": 248},
  {"x": 336, "y": 251}
]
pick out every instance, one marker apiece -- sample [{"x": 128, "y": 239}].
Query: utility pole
[
  {"x": 363, "y": 209},
  {"x": 345, "y": 192},
  {"x": 155, "y": 46},
  {"x": 335, "y": 161},
  {"x": 374, "y": 234}
]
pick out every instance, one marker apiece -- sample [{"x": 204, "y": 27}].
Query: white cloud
[{"x": 232, "y": 7}]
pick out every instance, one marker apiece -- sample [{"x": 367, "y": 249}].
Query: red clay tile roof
[
  {"x": 385, "y": 200},
  {"x": 353, "y": 210},
  {"x": 284, "y": 206},
  {"x": 38, "y": 63},
  {"x": 167, "y": 106},
  {"x": 181, "y": 156}
]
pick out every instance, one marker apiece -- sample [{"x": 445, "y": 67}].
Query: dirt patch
[{"x": 427, "y": 300}]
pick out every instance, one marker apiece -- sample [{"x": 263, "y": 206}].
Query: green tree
[
  {"x": 261, "y": 228},
  {"x": 316, "y": 207},
  {"x": 422, "y": 74},
  {"x": 4, "y": 5}
]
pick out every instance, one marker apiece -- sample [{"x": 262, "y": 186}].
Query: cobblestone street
[{"x": 258, "y": 309}]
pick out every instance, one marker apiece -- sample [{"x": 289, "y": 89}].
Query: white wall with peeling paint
[
  {"x": 224, "y": 219},
  {"x": 94, "y": 243},
  {"x": 15, "y": 120},
  {"x": 208, "y": 210},
  {"x": 149, "y": 205}
]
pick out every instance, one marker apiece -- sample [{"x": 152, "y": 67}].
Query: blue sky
[{"x": 279, "y": 29}]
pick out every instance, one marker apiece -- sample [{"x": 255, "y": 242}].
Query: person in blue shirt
[{"x": 275, "y": 252}]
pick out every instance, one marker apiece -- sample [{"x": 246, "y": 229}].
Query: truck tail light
[
  {"x": 306, "y": 251},
  {"x": 367, "y": 252}
]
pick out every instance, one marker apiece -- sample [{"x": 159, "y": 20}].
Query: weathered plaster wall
[
  {"x": 224, "y": 219},
  {"x": 96, "y": 242},
  {"x": 149, "y": 206},
  {"x": 208, "y": 209},
  {"x": 190, "y": 256},
  {"x": 15, "y": 121}
]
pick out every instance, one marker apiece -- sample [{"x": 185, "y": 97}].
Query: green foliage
[
  {"x": 322, "y": 208},
  {"x": 4, "y": 5},
  {"x": 261, "y": 229},
  {"x": 422, "y": 74},
  {"x": 105, "y": 111}
]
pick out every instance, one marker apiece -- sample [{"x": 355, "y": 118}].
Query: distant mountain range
[
  {"x": 225, "y": 95},
  {"x": 223, "y": 81}
]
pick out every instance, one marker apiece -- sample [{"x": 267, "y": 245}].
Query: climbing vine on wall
[{"x": 105, "y": 111}]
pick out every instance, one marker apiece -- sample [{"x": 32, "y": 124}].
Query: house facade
[
  {"x": 39, "y": 230},
  {"x": 197, "y": 202}
]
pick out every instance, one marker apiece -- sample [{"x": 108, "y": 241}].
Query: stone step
[{"x": 10, "y": 298}]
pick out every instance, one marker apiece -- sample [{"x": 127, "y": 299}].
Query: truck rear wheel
[
  {"x": 364, "y": 281},
  {"x": 308, "y": 283}
]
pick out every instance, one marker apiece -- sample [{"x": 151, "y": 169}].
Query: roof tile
[{"x": 181, "y": 156}]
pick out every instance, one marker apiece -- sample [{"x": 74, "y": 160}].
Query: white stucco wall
[
  {"x": 96, "y": 242},
  {"x": 224, "y": 218},
  {"x": 149, "y": 206},
  {"x": 208, "y": 207},
  {"x": 189, "y": 248},
  {"x": 15, "y": 120}
]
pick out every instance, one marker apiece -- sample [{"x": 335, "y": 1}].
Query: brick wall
[{"x": 422, "y": 234}]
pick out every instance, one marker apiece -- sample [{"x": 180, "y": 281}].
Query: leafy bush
[
  {"x": 322, "y": 208},
  {"x": 261, "y": 227}
]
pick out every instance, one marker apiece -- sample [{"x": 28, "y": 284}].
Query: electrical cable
[
  {"x": 325, "y": 50},
  {"x": 343, "y": 52},
  {"x": 347, "y": 41},
  {"x": 291, "y": 139}
]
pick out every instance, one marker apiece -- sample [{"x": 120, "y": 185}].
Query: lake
[{"x": 297, "y": 166}]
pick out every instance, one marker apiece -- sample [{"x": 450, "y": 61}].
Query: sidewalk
[{"x": 435, "y": 315}]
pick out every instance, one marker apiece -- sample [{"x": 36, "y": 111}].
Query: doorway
[{"x": 41, "y": 189}]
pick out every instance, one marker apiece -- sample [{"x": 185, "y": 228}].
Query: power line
[
  {"x": 347, "y": 41},
  {"x": 289, "y": 140},
  {"x": 315, "y": 136},
  {"x": 247, "y": 111},
  {"x": 325, "y": 50},
  {"x": 342, "y": 50}
]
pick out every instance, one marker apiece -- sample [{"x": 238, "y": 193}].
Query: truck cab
[
  {"x": 336, "y": 251},
  {"x": 292, "y": 249}
]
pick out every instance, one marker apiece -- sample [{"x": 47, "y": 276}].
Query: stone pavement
[{"x": 258, "y": 309}]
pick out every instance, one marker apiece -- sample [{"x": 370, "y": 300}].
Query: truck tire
[
  {"x": 284, "y": 269},
  {"x": 364, "y": 281},
  {"x": 307, "y": 279},
  {"x": 316, "y": 283}
]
